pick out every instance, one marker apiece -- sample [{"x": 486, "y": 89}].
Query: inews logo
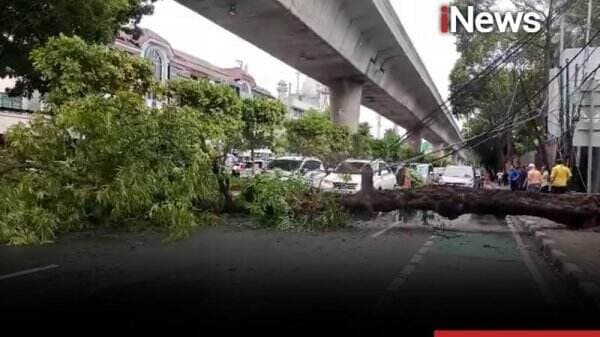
[{"x": 486, "y": 22}]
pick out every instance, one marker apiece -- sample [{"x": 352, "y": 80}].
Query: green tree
[
  {"x": 261, "y": 120},
  {"x": 219, "y": 111},
  {"x": 29, "y": 24},
  {"x": 390, "y": 148},
  {"x": 103, "y": 158},
  {"x": 361, "y": 141},
  {"x": 315, "y": 135},
  {"x": 508, "y": 95},
  {"x": 73, "y": 69}
]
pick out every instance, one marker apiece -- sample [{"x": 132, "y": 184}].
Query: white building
[
  {"x": 580, "y": 103},
  {"x": 312, "y": 96},
  {"x": 14, "y": 110}
]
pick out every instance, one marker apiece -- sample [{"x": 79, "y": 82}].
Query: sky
[{"x": 196, "y": 35}]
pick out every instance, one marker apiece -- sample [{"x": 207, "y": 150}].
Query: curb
[{"x": 575, "y": 276}]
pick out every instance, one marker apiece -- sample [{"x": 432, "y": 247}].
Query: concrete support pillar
[
  {"x": 414, "y": 140},
  {"x": 346, "y": 96}
]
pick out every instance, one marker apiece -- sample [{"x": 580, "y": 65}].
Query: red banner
[{"x": 499, "y": 333}]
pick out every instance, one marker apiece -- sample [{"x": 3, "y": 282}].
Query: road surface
[{"x": 475, "y": 272}]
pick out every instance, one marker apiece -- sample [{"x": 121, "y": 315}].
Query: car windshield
[
  {"x": 350, "y": 167},
  {"x": 423, "y": 169},
  {"x": 458, "y": 172},
  {"x": 285, "y": 164}
]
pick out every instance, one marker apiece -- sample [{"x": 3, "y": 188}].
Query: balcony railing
[{"x": 12, "y": 103}]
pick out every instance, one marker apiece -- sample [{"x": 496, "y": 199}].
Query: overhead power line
[{"x": 465, "y": 145}]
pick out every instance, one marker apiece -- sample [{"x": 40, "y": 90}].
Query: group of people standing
[{"x": 533, "y": 180}]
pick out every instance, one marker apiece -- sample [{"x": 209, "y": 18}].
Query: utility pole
[
  {"x": 589, "y": 21},
  {"x": 563, "y": 106},
  {"x": 562, "y": 38},
  {"x": 591, "y": 112},
  {"x": 590, "y": 96}
]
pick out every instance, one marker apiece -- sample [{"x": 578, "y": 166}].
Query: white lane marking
[
  {"x": 423, "y": 250},
  {"x": 416, "y": 259},
  {"x": 388, "y": 298},
  {"x": 533, "y": 270},
  {"x": 410, "y": 267},
  {"x": 383, "y": 231},
  {"x": 28, "y": 271}
]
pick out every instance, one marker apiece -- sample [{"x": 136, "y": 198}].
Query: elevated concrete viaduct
[{"x": 359, "y": 49}]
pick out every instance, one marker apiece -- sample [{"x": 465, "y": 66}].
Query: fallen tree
[{"x": 573, "y": 210}]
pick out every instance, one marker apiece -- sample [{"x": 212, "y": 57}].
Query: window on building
[
  {"x": 236, "y": 89},
  {"x": 154, "y": 56},
  {"x": 244, "y": 89},
  {"x": 7, "y": 102},
  {"x": 298, "y": 113}
]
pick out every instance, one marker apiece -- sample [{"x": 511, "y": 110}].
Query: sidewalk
[{"x": 576, "y": 253}]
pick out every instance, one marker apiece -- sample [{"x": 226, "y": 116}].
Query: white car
[
  {"x": 463, "y": 176},
  {"x": 285, "y": 167},
  {"x": 346, "y": 178}
]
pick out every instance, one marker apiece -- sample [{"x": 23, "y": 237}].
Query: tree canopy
[
  {"x": 261, "y": 120},
  {"x": 390, "y": 148},
  {"x": 29, "y": 24},
  {"x": 315, "y": 135}
]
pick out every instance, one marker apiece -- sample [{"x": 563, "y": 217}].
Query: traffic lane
[
  {"x": 218, "y": 274},
  {"x": 477, "y": 280}
]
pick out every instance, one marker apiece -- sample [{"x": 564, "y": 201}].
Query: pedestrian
[
  {"x": 513, "y": 178},
  {"x": 499, "y": 176},
  {"x": 559, "y": 178},
  {"x": 523, "y": 179},
  {"x": 534, "y": 179},
  {"x": 545, "y": 180}
]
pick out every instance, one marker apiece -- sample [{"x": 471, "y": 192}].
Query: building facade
[
  {"x": 574, "y": 115},
  {"x": 168, "y": 63}
]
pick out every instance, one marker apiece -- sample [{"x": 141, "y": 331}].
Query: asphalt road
[{"x": 471, "y": 273}]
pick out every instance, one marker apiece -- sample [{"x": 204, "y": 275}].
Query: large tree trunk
[{"x": 574, "y": 210}]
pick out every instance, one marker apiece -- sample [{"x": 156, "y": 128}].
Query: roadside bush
[
  {"x": 289, "y": 205},
  {"x": 271, "y": 199}
]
